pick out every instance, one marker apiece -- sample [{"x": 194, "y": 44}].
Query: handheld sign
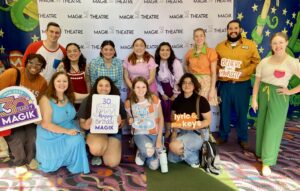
[
  {"x": 18, "y": 107},
  {"x": 184, "y": 120},
  {"x": 105, "y": 112},
  {"x": 144, "y": 117}
]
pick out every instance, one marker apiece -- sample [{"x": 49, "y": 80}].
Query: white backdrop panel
[{"x": 89, "y": 22}]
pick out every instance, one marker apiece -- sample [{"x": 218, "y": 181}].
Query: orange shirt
[
  {"x": 201, "y": 64},
  {"x": 244, "y": 57},
  {"x": 9, "y": 77}
]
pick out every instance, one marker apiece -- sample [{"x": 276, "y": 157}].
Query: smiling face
[
  {"x": 108, "y": 52},
  {"x": 73, "y": 53},
  {"x": 139, "y": 48},
  {"x": 199, "y": 37},
  {"x": 234, "y": 32},
  {"x": 34, "y": 66},
  {"x": 53, "y": 33},
  {"x": 103, "y": 87},
  {"x": 278, "y": 45},
  {"x": 61, "y": 83},
  {"x": 140, "y": 89},
  {"x": 165, "y": 52}
]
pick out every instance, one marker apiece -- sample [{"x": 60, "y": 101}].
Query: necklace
[
  {"x": 62, "y": 100},
  {"x": 75, "y": 69}
]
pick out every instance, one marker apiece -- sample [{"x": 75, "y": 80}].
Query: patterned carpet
[
  {"x": 124, "y": 177},
  {"x": 244, "y": 169}
]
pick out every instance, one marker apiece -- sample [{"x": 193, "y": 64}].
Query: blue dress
[{"x": 54, "y": 150}]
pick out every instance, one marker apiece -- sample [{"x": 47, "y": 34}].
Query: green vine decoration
[
  {"x": 262, "y": 22},
  {"x": 18, "y": 18}
]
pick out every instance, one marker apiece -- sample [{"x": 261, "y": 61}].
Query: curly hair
[
  {"x": 40, "y": 58},
  {"x": 113, "y": 91},
  {"x": 51, "y": 91},
  {"x": 197, "y": 86},
  {"x": 132, "y": 57},
  {"x": 170, "y": 59},
  {"x": 81, "y": 60}
]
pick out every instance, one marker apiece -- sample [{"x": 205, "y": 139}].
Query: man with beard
[{"x": 238, "y": 58}]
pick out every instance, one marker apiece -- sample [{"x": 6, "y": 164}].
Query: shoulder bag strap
[{"x": 18, "y": 77}]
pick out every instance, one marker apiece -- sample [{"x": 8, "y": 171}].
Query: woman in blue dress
[{"x": 59, "y": 142}]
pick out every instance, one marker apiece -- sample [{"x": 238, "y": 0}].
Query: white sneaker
[
  {"x": 21, "y": 170},
  {"x": 266, "y": 171},
  {"x": 96, "y": 161},
  {"x": 138, "y": 159},
  {"x": 197, "y": 165}
]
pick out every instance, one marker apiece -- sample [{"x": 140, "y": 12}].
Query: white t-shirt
[{"x": 277, "y": 74}]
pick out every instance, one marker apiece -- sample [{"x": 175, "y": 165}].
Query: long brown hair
[
  {"x": 133, "y": 97},
  {"x": 51, "y": 92},
  {"x": 132, "y": 57}
]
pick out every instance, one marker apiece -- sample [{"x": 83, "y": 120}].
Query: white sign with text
[{"x": 105, "y": 111}]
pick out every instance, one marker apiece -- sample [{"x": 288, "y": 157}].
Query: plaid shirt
[{"x": 115, "y": 72}]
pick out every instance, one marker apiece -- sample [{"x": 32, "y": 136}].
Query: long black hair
[
  {"x": 81, "y": 60},
  {"x": 170, "y": 59},
  {"x": 113, "y": 91}
]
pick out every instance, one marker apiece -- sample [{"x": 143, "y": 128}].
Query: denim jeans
[
  {"x": 147, "y": 147},
  {"x": 191, "y": 146}
]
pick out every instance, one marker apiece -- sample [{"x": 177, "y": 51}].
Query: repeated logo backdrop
[{"x": 89, "y": 22}]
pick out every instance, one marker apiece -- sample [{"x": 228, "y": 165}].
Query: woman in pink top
[
  {"x": 202, "y": 62},
  {"x": 140, "y": 63}
]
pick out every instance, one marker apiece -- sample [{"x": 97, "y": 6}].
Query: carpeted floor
[
  {"x": 124, "y": 177},
  {"x": 244, "y": 169},
  {"x": 241, "y": 170}
]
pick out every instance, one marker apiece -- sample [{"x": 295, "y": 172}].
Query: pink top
[{"x": 141, "y": 69}]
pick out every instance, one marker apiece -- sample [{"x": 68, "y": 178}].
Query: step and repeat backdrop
[{"x": 89, "y": 22}]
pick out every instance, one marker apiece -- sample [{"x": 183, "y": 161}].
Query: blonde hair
[
  {"x": 280, "y": 34},
  {"x": 199, "y": 29}
]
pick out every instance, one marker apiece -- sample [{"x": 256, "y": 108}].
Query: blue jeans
[
  {"x": 191, "y": 146},
  {"x": 147, "y": 147}
]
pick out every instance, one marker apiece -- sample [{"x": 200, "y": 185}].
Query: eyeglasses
[
  {"x": 39, "y": 65},
  {"x": 188, "y": 83}
]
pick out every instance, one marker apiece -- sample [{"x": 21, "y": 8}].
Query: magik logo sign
[{"x": 18, "y": 107}]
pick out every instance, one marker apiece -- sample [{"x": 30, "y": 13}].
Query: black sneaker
[{"x": 244, "y": 145}]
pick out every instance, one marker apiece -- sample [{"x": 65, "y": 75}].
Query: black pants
[{"x": 21, "y": 143}]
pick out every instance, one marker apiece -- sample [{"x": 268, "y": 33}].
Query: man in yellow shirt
[{"x": 238, "y": 58}]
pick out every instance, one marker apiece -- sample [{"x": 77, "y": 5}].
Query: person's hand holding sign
[
  {"x": 86, "y": 124},
  {"x": 121, "y": 122}
]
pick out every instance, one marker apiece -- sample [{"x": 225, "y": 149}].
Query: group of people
[{"x": 162, "y": 92}]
